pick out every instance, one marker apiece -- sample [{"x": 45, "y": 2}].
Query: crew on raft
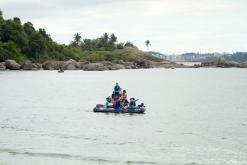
[{"x": 119, "y": 100}]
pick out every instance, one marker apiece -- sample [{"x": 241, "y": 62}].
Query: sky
[{"x": 172, "y": 26}]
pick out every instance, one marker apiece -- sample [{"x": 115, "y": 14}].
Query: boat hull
[{"x": 122, "y": 110}]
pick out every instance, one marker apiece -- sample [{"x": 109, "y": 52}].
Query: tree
[
  {"x": 17, "y": 20},
  {"x": 37, "y": 45},
  {"x": 1, "y": 15},
  {"x": 77, "y": 39},
  {"x": 28, "y": 28},
  {"x": 106, "y": 37},
  {"x": 120, "y": 45},
  {"x": 129, "y": 44},
  {"x": 113, "y": 38},
  {"x": 147, "y": 43}
]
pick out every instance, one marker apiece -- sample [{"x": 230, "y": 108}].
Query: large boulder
[
  {"x": 36, "y": 66},
  {"x": 70, "y": 65},
  {"x": 243, "y": 64},
  {"x": 81, "y": 64},
  {"x": 142, "y": 63},
  {"x": 231, "y": 64},
  {"x": 52, "y": 65},
  {"x": 2, "y": 66},
  {"x": 94, "y": 67},
  {"x": 27, "y": 65},
  {"x": 116, "y": 67},
  {"x": 12, "y": 64},
  {"x": 118, "y": 62},
  {"x": 129, "y": 65}
]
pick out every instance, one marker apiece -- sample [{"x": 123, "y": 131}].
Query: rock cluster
[{"x": 108, "y": 65}]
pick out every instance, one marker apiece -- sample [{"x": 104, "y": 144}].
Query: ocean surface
[{"x": 193, "y": 117}]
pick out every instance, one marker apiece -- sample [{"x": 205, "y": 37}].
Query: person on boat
[
  {"x": 132, "y": 104},
  {"x": 116, "y": 103},
  {"x": 117, "y": 90},
  {"x": 124, "y": 95},
  {"x": 124, "y": 103},
  {"x": 108, "y": 103}
]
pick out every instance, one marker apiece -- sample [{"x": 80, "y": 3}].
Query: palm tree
[
  {"x": 77, "y": 39},
  {"x": 147, "y": 43}
]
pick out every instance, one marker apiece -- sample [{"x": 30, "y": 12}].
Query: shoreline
[{"x": 111, "y": 65}]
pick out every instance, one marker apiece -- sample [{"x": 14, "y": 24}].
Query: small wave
[
  {"x": 194, "y": 163},
  {"x": 186, "y": 133},
  {"x": 140, "y": 162},
  {"x": 14, "y": 128},
  {"x": 56, "y": 155},
  {"x": 119, "y": 143}
]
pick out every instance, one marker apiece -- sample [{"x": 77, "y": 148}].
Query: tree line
[{"x": 23, "y": 42}]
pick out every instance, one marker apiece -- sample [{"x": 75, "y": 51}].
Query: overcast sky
[{"x": 172, "y": 26}]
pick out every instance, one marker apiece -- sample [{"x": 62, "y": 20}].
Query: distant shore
[{"x": 111, "y": 65}]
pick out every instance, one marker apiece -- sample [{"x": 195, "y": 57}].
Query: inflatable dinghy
[{"x": 101, "y": 108}]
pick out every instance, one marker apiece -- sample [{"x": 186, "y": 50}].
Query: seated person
[
  {"x": 132, "y": 104},
  {"x": 108, "y": 103},
  {"x": 116, "y": 104},
  {"x": 124, "y": 95},
  {"x": 124, "y": 103}
]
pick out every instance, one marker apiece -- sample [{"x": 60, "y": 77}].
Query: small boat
[
  {"x": 60, "y": 71},
  {"x": 101, "y": 108}
]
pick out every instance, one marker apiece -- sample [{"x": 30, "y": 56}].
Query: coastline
[{"x": 111, "y": 65}]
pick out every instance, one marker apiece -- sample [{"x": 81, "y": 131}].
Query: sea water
[{"x": 194, "y": 116}]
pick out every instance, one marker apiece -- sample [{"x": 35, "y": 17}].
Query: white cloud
[{"x": 173, "y": 26}]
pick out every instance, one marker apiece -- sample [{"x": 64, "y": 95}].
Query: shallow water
[{"x": 194, "y": 116}]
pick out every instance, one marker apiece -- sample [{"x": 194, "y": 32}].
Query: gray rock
[
  {"x": 27, "y": 65},
  {"x": 243, "y": 64},
  {"x": 12, "y": 64},
  {"x": 116, "y": 67},
  {"x": 94, "y": 67},
  {"x": 143, "y": 63},
  {"x": 82, "y": 63},
  {"x": 2, "y": 66},
  {"x": 231, "y": 64},
  {"x": 70, "y": 65},
  {"x": 52, "y": 65},
  {"x": 36, "y": 66}
]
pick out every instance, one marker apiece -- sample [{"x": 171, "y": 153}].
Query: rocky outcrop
[
  {"x": 52, "y": 65},
  {"x": 116, "y": 67},
  {"x": 2, "y": 66},
  {"x": 36, "y": 66},
  {"x": 12, "y": 64},
  {"x": 243, "y": 64},
  {"x": 228, "y": 64},
  {"x": 27, "y": 65},
  {"x": 95, "y": 67},
  {"x": 142, "y": 63},
  {"x": 81, "y": 64},
  {"x": 70, "y": 65}
]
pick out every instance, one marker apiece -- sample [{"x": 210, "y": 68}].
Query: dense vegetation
[{"x": 23, "y": 42}]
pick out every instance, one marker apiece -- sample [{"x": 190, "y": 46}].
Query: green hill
[{"x": 23, "y": 42}]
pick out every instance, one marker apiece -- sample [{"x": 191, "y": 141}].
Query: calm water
[{"x": 194, "y": 117}]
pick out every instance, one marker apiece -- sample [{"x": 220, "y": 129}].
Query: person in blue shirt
[{"x": 117, "y": 90}]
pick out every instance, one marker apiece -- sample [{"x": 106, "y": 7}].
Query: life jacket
[{"x": 117, "y": 88}]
